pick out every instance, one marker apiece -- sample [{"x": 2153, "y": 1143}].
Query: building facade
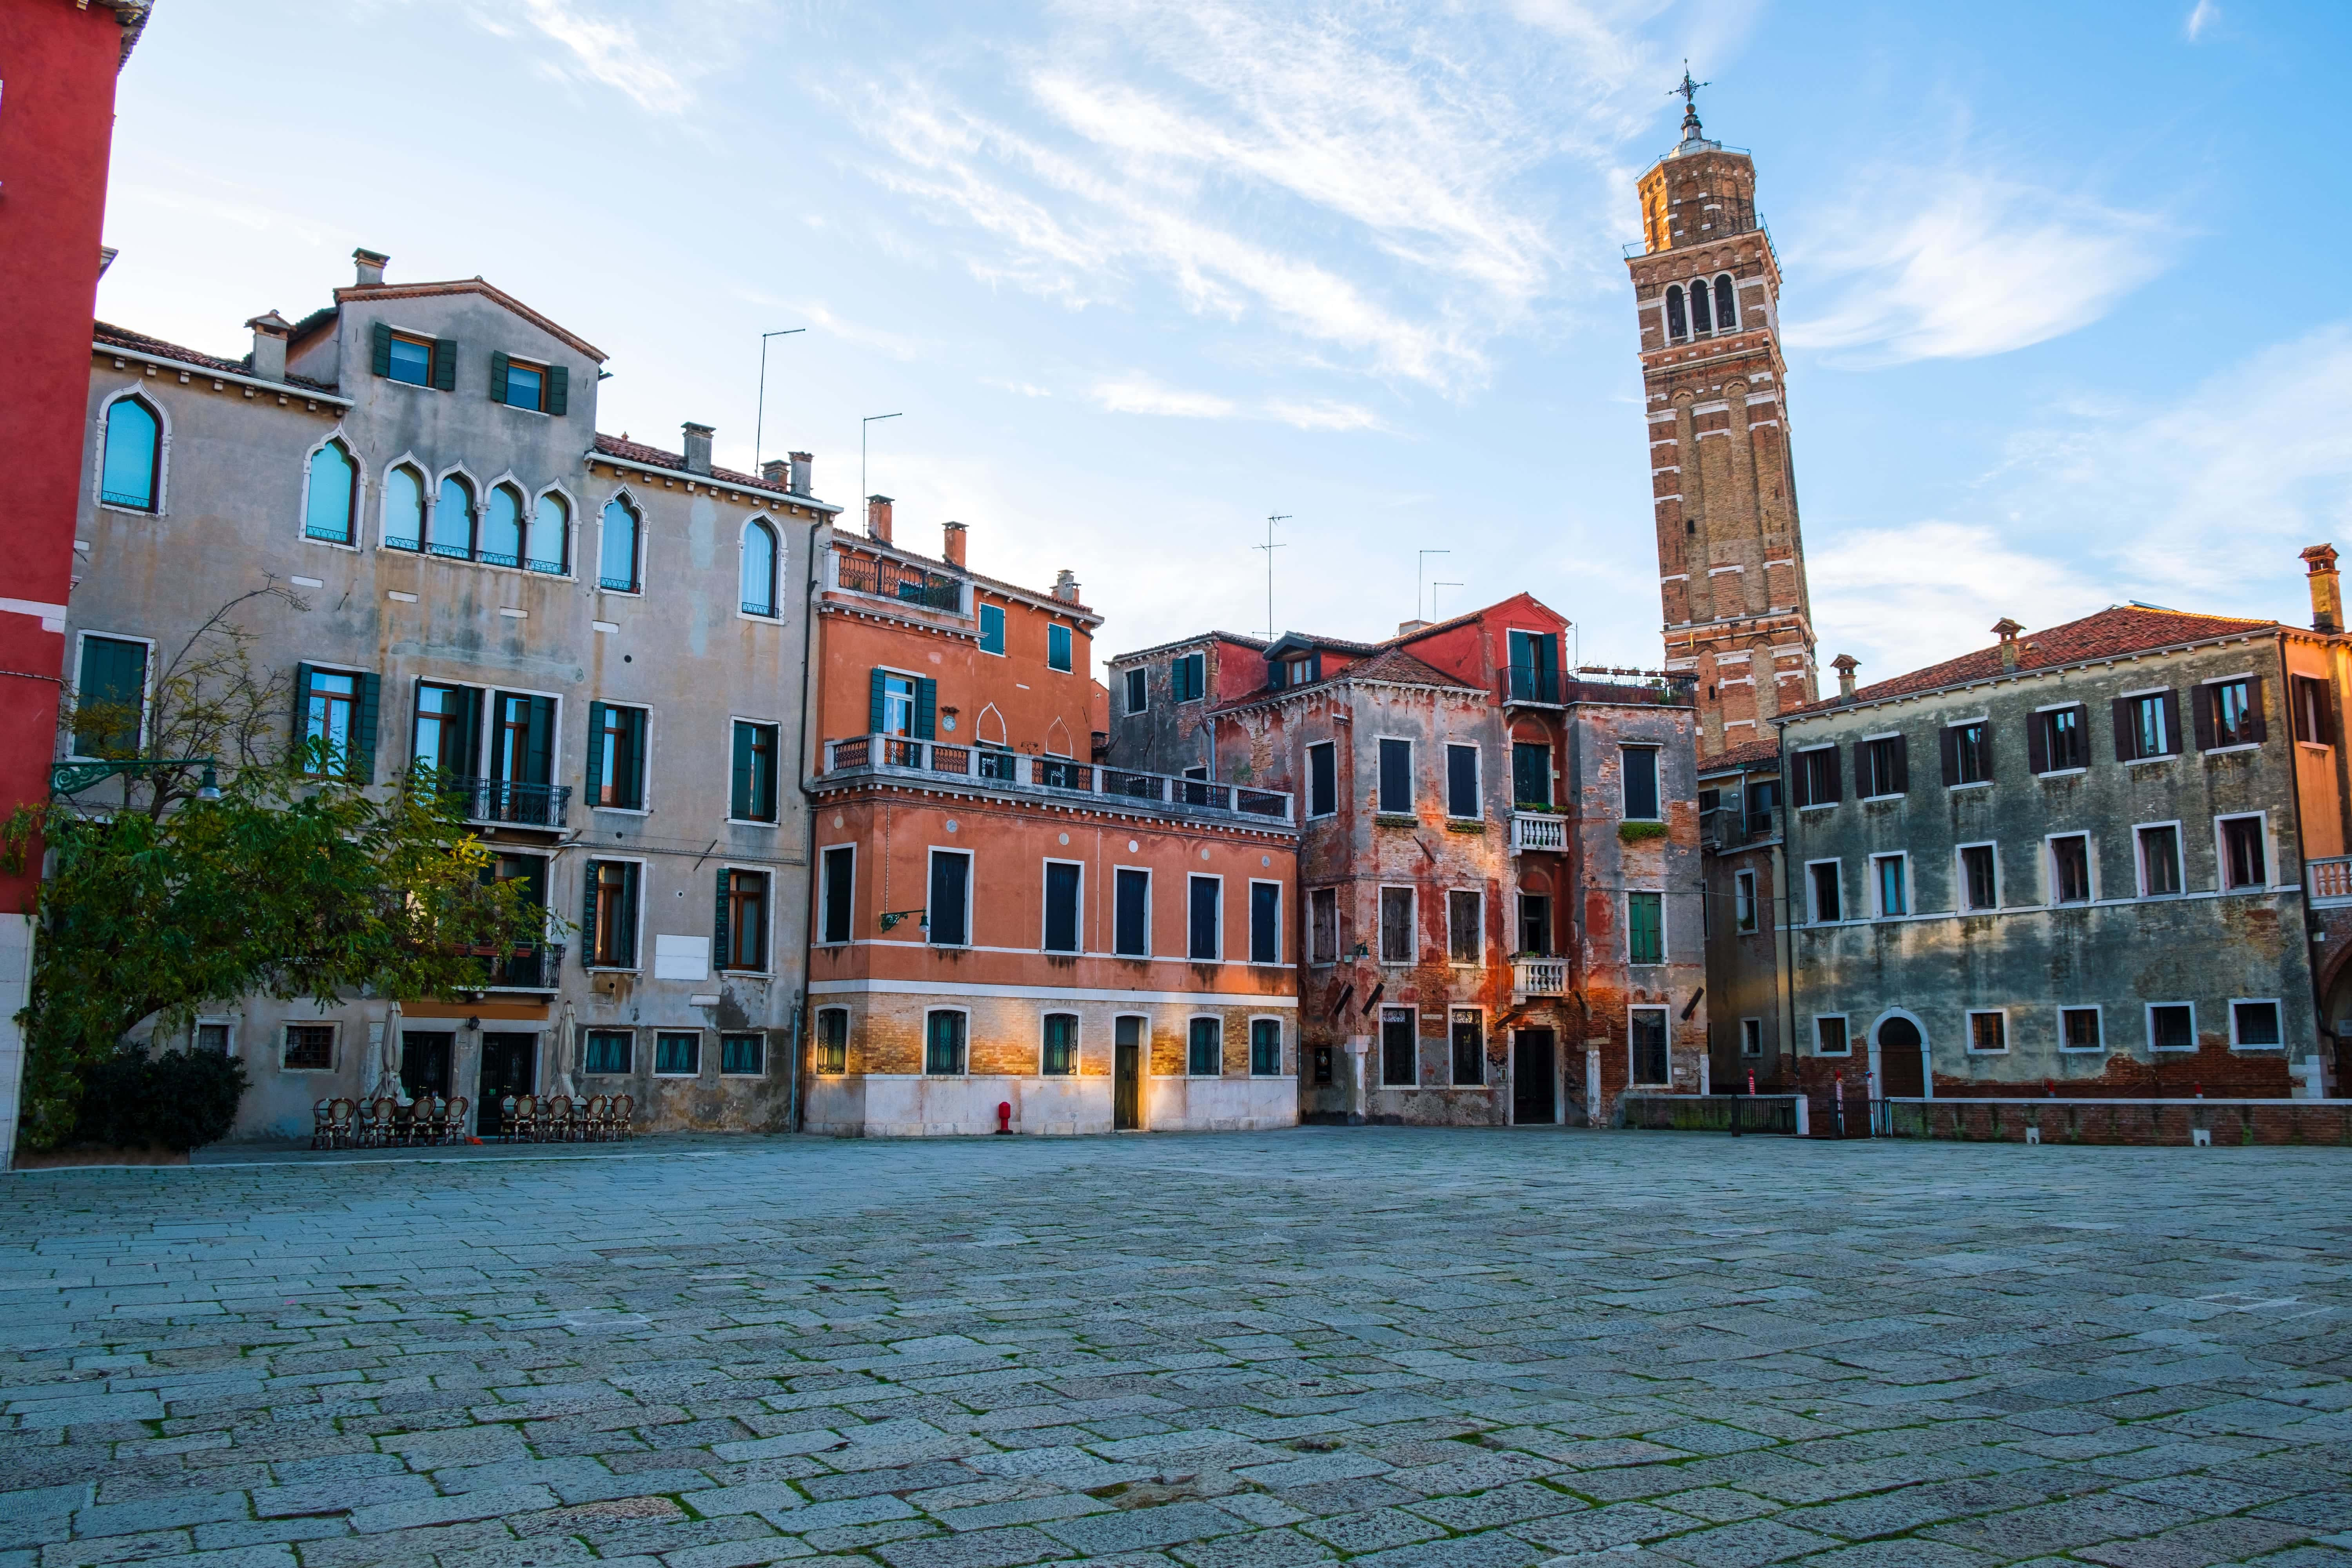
[
  {"x": 1747, "y": 953},
  {"x": 1002, "y": 924},
  {"x": 434, "y": 560},
  {"x": 2073, "y": 864}
]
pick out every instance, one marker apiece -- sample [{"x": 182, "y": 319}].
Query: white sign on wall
[{"x": 681, "y": 958}]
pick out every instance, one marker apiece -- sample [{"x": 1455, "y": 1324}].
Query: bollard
[
  {"x": 1841, "y": 1105},
  {"x": 1004, "y": 1117}
]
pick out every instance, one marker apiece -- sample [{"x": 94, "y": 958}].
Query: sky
[{"x": 2063, "y": 285}]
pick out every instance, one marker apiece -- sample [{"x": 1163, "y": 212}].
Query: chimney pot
[
  {"x": 877, "y": 517},
  {"x": 1065, "y": 585},
  {"x": 2007, "y": 630},
  {"x": 955, "y": 543},
  {"x": 270, "y": 334},
  {"x": 804, "y": 467},
  {"x": 1405, "y": 627},
  {"x": 777, "y": 472},
  {"x": 697, "y": 448},
  {"x": 371, "y": 264},
  {"x": 2326, "y": 592},
  {"x": 1846, "y": 664}
]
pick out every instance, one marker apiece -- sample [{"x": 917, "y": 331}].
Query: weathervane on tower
[{"x": 1689, "y": 92}]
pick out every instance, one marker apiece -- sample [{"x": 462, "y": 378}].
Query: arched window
[
  {"x": 616, "y": 567},
  {"x": 1677, "y": 325},
  {"x": 452, "y": 520},
  {"x": 759, "y": 570},
  {"x": 1726, "y": 305},
  {"x": 333, "y": 495},
  {"x": 134, "y": 454},
  {"x": 1702, "y": 319},
  {"x": 404, "y": 509},
  {"x": 546, "y": 548},
  {"x": 502, "y": 528}
]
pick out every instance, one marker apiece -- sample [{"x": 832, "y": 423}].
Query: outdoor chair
[
  {"x": 556, "y": 1125},
  {"x": 381, "y": 1115},
  {"x": 339, "y": 1122},
  {"x": 595, "y": 1113},
  {"x": 322, "y": 1125},
  {"x": 453, "y": 1118},
  {"x": 623, "y": 1110},
  {"x": 522, "y": 1125}
]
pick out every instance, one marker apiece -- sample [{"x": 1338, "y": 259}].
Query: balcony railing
[
  {"x": 1539, "y": 976},
  {"x": 1539, "y": 831},
  {"x": 2330, "y": 881},
  {"x": 1060, "y": 778},
  {"x": 1531, "y": 683},
  {"x": 503, "y": 800},
  {"x": 537, "y": 967},
  {"x": 1730, "y": 828},
  {"x": 891, "y": 579}
]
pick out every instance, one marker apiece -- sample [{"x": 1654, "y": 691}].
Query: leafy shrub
[
  {"x": 1635, "y": 832},
  {"x": 181, "y": 1100}
]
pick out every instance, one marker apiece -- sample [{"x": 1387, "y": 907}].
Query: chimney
[
  {"x": 1065, "y": 585},
  {"x": 777, "y": 472},
  {"x": 1403, "y": 627},
  {"x": 803, "y": 474},
  {"x": 697, "y": 448},
  {"x": 955, "y": 545},
  {"x": 1846, "y": 664},
  {"x": 269, "y": 333},
  {"x": 106, "y": 255},
  {"x": 371, "y": 264},
  {"x": 2007, "y": 630},
  {"x": 877, "y": 517},
  {"x": 2326, "y": 597}
]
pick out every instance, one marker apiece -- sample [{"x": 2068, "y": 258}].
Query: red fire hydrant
[{"x": 1004, "y": 1117}]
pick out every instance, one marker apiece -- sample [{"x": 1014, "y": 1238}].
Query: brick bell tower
[{"x": 1731, "y": 563}]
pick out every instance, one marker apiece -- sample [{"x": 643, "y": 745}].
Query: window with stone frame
[
  {"x": 2070, "y": 868},
  {"x": 1397, "y": 945},
  {"x": 1400, "y": 1048},
  {"x": 1465, "y": 925}
]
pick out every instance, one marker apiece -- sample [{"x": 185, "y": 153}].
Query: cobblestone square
[{"x": 1383, "y": 1346}]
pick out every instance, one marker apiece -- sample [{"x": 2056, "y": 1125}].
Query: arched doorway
[{"x": 1901, "y": 1051}]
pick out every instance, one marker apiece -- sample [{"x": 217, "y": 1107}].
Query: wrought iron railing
[
  {"x": 504, "y": 800},
  {"x": 617, "y": 584},
  {"x": 1531, "y": 683},
  {"x": 891, "y": 579},
  {"x": 1057, "y": 777},
  {"x": 537, "y": 967}
]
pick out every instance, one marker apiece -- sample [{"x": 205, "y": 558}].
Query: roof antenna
[
  {"x": 1270, "y": 547},
  {"x": 1420, "y": 578}
]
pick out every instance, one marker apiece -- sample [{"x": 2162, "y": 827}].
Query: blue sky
[{"x": 2063, "y": 283}]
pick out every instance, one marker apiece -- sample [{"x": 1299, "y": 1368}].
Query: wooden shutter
[
  {"x": 874, "y": 710},
  {"x": 2171, "y": 700},
  {"x": 302, "y": 716},
  {"x": 498, "y": 364},
  {"x": 444, "y": 364},
  {"x": 558, "y": 389},
  {"x": 1837, "y": 774},
  {"x": 630, "y": 872},
  {"x": 718, "y": 944},
  {"x": 588, "y": 914},
  {"x": 1800, "y": 788},
  {"x": 1548, "y": 666},
  {"x": 2037, "y": 742},
  {"x": 926, "y": 697},
  {"x": 595, "y": 752},
  {"x": 2126, "y": 736},
  {"x": 2200, "y": 708},
  {"x": 633, "y": 732},
  {"x": 740, "y": 804},
  {"x": 381, "y": 350},
  {"x": 1949, "y": 742},
  {"x": 539, "y": 764},
  {"x": 470, "y": 726},
  {"x": 363, "y": 726},
  {"x": 1900, "y": 781},
  {"x": 2257, "y": 717}
]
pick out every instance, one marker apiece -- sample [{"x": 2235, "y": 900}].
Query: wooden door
[
  {"x": 507, "y": 1061},
  {"x": 1902, "y": 1069},
  {"x": 1127, "y": 1075},
  {"x": 1534, "y": 1069},
  {"x": 425, "y": 1061}
]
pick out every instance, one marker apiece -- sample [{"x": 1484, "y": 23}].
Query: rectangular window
[
  {"x": 2159, "y": 861},
  {"x": 1061, "y": 906},
  {"x": 1894, "y": 895},
  {"x": 1640, "y": 770},
  {"x": 1535, "y": 667},
  {"x": 1396, "y": 926},
  {"x": 1057, "y": 647},
  {"x": 330, "y": 719},
  {"x": 1399, "y": 1049},
  {"x": 837, "y": 892},
  {"x": 448, "y": 722},
  {"x": 1469, "y": 1048},
  {"x": 1988, "y": 1033},
  {"x": 110, "y": 706},
  {"x": 678, "y": 1052},
  {"x": 1396, "y": 777},
  {"x": 1751, "y": 1036},
  {"x": 1763, "y": 805},
  {"x": 1646, "y": 930},
  {"x": 752, "y": 790},
  {"x": 943, "y": 1042},
  {"x": 2147, "y": 726},
  {"x": 526, "y": 386},
  {"x": 1265, "y": 1048},
  {"x": 212, "y": 1040},
  {"x": 2171, "y": 1026},
  {"x": 992, "y": 629},
  {"x": 1818, "y": 779},
  {"x": 2078, "y": 1029},
  {"x": 2244, "y": 862},
  {"x": 1266, "y": 923},
  {"x": 743, "y": 920},
  {"x": 1188, "y": 677},
  {"x": 522, "y": 751},
  {"x": 2254, "y": 1025},
  {"x": 1322, "y": 779},
  {"x": 1139, "y": 691},
  {"x": 1882, "y": 767},
  {"x": 1645, "y": 1031},
  {"x": 2070, "y": 869},
  {"x": 949, "y": 913},
  {"x": 897, "y": 695},
  {"x": 1132, "y": 913},
  {"x": 411, "y": 361},
  {"x": 742, "y": 1056},
  {"x": 1535, "y": 924},
  {"x": 309, "y": 1047},
  {"x": 1461, "y": 783},
  {"x": 1465, "y": 926},
  {"x": 1979, "y": 878},
  {"x": 2056, "y": 741},
  {"x": 610, "y": 940},
  {"x": 609, "y": 1051},
  {"x": 1204, "y": 1051},
  {"x": 1058, "y": 1056},
  {"x": 616, "y": 756},
  {"x": 1830, "y": 1039},
  {"x": 1204, "y": 928},
  {"x": 1531, "y": 774},
  {"x": 1743, "y": 900},
  {"x": 1828, "y": 904},
  {"x": 2314, "y": 713},
  {"x": 1967, "y": 753},
  {"x": 1323, "y": 925},
  {"x": 832, "y": 1039},
  {"x": 2236, "y": 719}
]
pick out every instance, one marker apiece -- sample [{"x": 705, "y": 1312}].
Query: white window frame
[
  {"x": 654, "y": 1066},
  {"x": 767, "y": 938},
  {"x": 1148, "y": 900},
  {"x": 334, "y": 1047},
  {"x": 2150, "y": 1008},
  {"x": 783, "y": 539},
  {"x": 1380, "y": 806},
  {"x": 2245, "y": 675},
  {"x": 1877, "y": 890},
  {"x": 1751, "y": 1039},
  {"x": 1308, "y": 781},
  {"x": 138, "y": 389},
  {"x": 1190, "y": 1019},
  {"x": 1626, "y": 912},
  {"x": 1743, "y": 888},
  {"x": 970, "y": 878},
  {"x": 816, "y": 1041},
  {"x": 2081, "y": 767},
  {"x": 202, "y": 1021},
  {"x": 1812, "y": 903},
  {"x": 636, "y": 509},
  {"x": 2050, "y": 870},
  {"x": 923, "y": 1044},
  {"x": 637, "y": 941},
  {"x": 1378, "y": 1066},
  {"x": 1796, "y": 764},
  {"x": 1135, "y": 681},
  {"x": 1283, "y": 1068},
  {"x": 825, "y": 907},
  {"x": 1484, "y": 1039},
  {"x": 1172, "y": 699},
  {"x": 1249, "y": 915},
  {"x": 1313, "y": 961},
  {"x": 1960, "y": 904},
  {"x": 1843, "y": 1051},
  {"x": 1477, "y": 781},
  {"x": 1192, "y": 877},
  {"x": 645, "y": 784},
  {"x": 570, "y": 572},
  {"x": 778, "y": 726},
  {"x": 2139, "y": 858},
  {"x": 1860, "y": 742},
  {"x": 2096, "y": 1013},
  {"x": 760, "y": 1035},
  {"x": 1666, "y": 1017},
  {"x": 1479, "y": 894},
  {"x": 1077, "y": 1039},
  {"x": 1658, "y": 776},
  {"x": 2221, "y": 859},
  {"x": 1413, "y": 925},
  {"x": 1045, "y": 883},
  {"x": 334, "y": 437},
  {"x": 2276, "y": 1004},
  {"x": 146, "y": 686},
  {"x": 1968, "y": 1028}
]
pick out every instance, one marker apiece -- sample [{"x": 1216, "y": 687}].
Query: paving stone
[{"x": 1145, "y": 1527}]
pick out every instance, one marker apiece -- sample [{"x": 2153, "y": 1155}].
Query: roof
[
  {"x": 362, "y": 291},
  {"x": 2119, "y": 629},
  {"x": 1257, "y": 644},
  {"x": 1041, "y": 597},
  {"x": 630, "y": 451},
  {"x": 1739, "y": 758},
  {"x": 105, "y": 334},
  {"x": 1391, "y": 664}
]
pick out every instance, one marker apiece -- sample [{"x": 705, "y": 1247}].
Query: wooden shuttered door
[
  {"x": 722, "y": 949},
  {"x": 2126, "y": 732},
  {"x": 2200, "y": 707},
  {"x": 587, "y": 913},
  {"x": 740, "y": 801},
  {"x": 558, "y": 389},
  {"x": 365, "y": 698},
  {"x": 595, "y": 770},
  {"x": 363, "y": 728},
  {"x": 926, "y": 697},
  {"x": 498, "y": 363},
  {"x": 111, "y": 697},
  {"x": 380, "y": 352},
  {"x": 874, "y": 706}
]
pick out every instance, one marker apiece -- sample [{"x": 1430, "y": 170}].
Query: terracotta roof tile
[
  {"x": 655, "y": 457},
  {"x": 105, "y": 334},
  {"x": 1747, "y": 755}
]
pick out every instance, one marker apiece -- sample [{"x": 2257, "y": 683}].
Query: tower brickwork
[{"x": 1731, "y": 561}]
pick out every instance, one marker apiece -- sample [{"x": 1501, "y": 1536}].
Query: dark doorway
[
  {"x": 425, "y": 1062},
  {"x": 1902, "y": 1069},
  {"x": 1127, "y": 1075},
  {"x": 1534, "y": 1069},
  {"x": 506, "y": 1070}
]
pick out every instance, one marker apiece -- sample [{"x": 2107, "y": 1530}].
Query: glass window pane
[
  {"x": 404, "y": 509},
  {"x": 412, "y": 361},
  {"x": 1061, "y": 1050},
  {"x": 1206, "y": 1056},
  {"x": 523, "y": 386},
  {"x": 617, "y": 567},
  {"x": 546, "y": 548},
  {"x": 134, "y": 437},
  {"x": 1398, "y": 1067},
  {"x": 1266, "y": 1046},
  {"x": 502, "y": 528},
  {"x": 758, "y": 571},
  {"x": 943, "y": 1045},
  {"x": 452, "y": 520},
  {"x": 327, "y": 512}
]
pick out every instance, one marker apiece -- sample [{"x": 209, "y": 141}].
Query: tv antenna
[{"x": 1270, "y": 547}]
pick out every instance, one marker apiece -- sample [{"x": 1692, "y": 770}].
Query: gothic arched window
[
  {"x": 404, "y": 509},
  {"x": 333, "y": 492},
  {"x": 133, "y": 467},
  {"x": 616, "y": 566},
  {"x": 452, "y": 528},
  {"x": 1726, "y": 304},
  {"x": 1677, "y": 327},
  {"x": 1702, "y": 319},
  {"x": 545, "y": 547},
  {"x": 501, "y": 543},
  {"x": 759, "y": 570}
]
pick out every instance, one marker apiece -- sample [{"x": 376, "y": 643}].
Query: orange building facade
[{"x": 1004, "y": 933}]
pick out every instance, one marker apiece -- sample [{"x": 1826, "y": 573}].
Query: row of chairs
[
  {"x": 385, "y": 1123},
  {"x": 560, "y": 1119}
]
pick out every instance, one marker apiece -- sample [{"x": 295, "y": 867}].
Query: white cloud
[
  {"x": 1138, "y": 394},
  {"x": 2205, "y": 14},
  {"x": 1898, "y": 598},
  {"x": 655, "y": 67},
  {"x": 1986, "y": 266}
]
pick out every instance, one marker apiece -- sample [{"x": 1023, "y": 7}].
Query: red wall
[{"x": 57, "y": 119}]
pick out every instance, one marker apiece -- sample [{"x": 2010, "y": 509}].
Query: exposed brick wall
[{"x": 2175, "y": 1122}]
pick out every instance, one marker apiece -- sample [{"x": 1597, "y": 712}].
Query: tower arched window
[
  {"x": 759, "y": 570},
  {"x": 1678, "y": 324},
  {"x": 133, "y": 472},
  {"x": 1726, "y": 305},
  {"x": 333, "y": 494},
  {"x": 617, "y": 565},
  {"x": 1702, "y": 319},
  {"x": 404, "y": 509},
  {"x": 452, "y": 520},
  {"x": 547, "y": 546},
  {"x": 502, "y": 528}
]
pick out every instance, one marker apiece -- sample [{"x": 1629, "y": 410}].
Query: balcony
[
  {"x": 1539, "y": 976},
  {"x": 1539, "y": 831},
  {"x": 896, "y": 580},
  {"x": 512, "y": 803},
  {"x": 1064, "y": 779},
  {"x": 1729, "y": 827},
  {"x": 537, "y": 967},
  {"x": 2328, "y": 882},
  {"x": 1531, "y": 683}
]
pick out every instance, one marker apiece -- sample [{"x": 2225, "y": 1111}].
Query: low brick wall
[
  {"x": 2220, "y": 1123},
  {"x": 1782, "y": 1114}
]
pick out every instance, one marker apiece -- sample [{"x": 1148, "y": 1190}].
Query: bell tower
[{"x": 1732, "y": 562}]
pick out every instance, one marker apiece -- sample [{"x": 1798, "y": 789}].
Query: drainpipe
[
  {"x": 808, "y": 818},
  {"x": 2294, "y": 795}
]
